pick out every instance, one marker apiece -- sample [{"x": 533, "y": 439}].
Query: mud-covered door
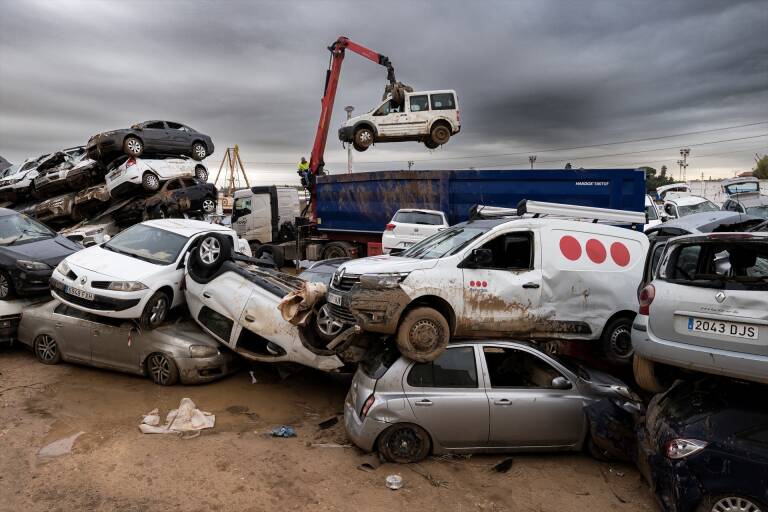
[
  {"x": 502, "y": 283},
  {"x": 390, "y": 119},
  {"x": 223, "y": 301},
  {"x": 417, "y": 121}
]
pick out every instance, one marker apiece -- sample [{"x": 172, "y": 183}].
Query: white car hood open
[
  {"x": 112, "y": 264},
  {"x": 386, "y": 264}
]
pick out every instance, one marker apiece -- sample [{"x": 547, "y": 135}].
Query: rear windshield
[
  {"x": 379, "y": 359},
  {"x": 431, "y": 219},
  {"x": 737, "y": 188},
  {"x": 444, "y": 243},
  {"x": 726, "y": 264}
]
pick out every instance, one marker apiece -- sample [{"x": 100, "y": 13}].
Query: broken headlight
[
  {"x": 32, "y": 265},
  {"x": 202, "y": 351},
  {"x": 682, "y": 448},
  {"x": 389, "y": 280},
  {"x": 126, "y": 286}
]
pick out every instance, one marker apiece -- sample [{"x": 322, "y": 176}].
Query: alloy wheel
[
  {"x": 46, "y": 348},
  {"x": 152, "y": 182},
  {"x": 209, "y": 250},
  {"x": 735, "y": 504},
  {"x": 326, "y": 323},
  {"x": 5, "y": 286},
  {"x": 134, "y": 146},
  {"x": 200, "y": 151},
  {"x": 159, "y": 368},
  {"x": 209, "y": 206},
  {"x": 159, "y": 309}
]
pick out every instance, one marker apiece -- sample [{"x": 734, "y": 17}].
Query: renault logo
[
  {"x": 83, "y": 280},
  {"x": 339, "y": 276},
  {"x": 720, "y": 296}
]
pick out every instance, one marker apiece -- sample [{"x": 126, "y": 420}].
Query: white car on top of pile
[
  {"x": 151, "y": 173},
  {"x": 409, "y": 226},
  {"x": 137, "y": 274}
]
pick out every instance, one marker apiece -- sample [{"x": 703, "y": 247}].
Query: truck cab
[
  {"x": 431, "y": 117},
  {"x": 259, "y": 213}
]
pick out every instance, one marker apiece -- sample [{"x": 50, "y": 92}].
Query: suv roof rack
[{"x": 567, "y": 211}]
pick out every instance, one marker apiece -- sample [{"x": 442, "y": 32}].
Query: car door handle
[
  {"x": 531, "y": 285},
  {"x": 206, "y": 295},
  {"x": 249, "y": 318},
  {"x": 502, "y": 401},
  {"x": 423, "y": 403}
]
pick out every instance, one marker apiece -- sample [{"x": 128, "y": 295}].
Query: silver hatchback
[
  {"x": 486, "y": 396},
  {"x": 706, "y": 309}
]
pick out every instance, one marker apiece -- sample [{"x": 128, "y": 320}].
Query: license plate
[
  {"x": 334, "y": 299},
  {"x": 737, "y": 330},
  {"x": 77, "y": 292}
]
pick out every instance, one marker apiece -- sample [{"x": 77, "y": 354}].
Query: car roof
[
  {"x": 186, "y": 227},
  {"x": 420, "y": 210},
  {"x": 552, "y": 222},
  {"x": 431, "y": 91}
]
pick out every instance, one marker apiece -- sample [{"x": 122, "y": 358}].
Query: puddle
[{"x": 59, "y": 447}]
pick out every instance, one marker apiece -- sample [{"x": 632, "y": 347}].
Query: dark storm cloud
[{"x": 529, "y": 74}]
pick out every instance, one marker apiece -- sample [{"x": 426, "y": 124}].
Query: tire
[
  {"x": 150, "y": 182},
  {"x": 647, "y": 375},
  {"x": 730, "y": 503},
  {"x": 156, "y": 311},
  {"x": 277, "y": 256},
  {"x": 431, "y": 144},
  {"x": 6, "y": 286},
  {"x": 617, "y": 341},
  {"x": 338, "y": 250},
  {"x": 199, "y": 151},
  {"x": 132, "y": 146},
  {"x": 162, "y": 369},
  {"x": 209, "y": 205},
  {"x": 325, "y": 326},
  {"x": 404, "y": 443},
  {"x": 46, "y": 349},
  {"x": 358, "y": 148},
  {"x": 423, "y": 334},
  {"x": 440, "y": 134},
  {"x": 201, "y": 173},
  {"x": 211, "y": 252},
  {"x": 363, "y": 138}
]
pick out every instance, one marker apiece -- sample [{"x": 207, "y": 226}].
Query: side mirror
[
  {"x": 561, "y": 383},
  {"x": 481, "y": 257}
]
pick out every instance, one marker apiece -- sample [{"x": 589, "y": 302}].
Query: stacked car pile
[{"x": 151, "y": 170}]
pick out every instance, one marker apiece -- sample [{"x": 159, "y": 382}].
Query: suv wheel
[
  {"x": 198, "y": 151},
  {"x": 440, "y": 134},
  {"x": 209, "y": 205},
  {"x": 150, "y": 182},
  {"x": 404, "y": 443},
  {"x": 132, "y": 146},
  {"x": 363, "y": 138},
  {"x": 201, "y": 173},
  {"x": 423, "y": 335},
  {"x": 155, "y": 311}
]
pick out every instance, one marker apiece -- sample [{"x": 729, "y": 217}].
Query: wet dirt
[{"x": 237, "y": 465}]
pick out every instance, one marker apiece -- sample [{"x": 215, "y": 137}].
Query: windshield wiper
[{"x": 27, "y": 232}]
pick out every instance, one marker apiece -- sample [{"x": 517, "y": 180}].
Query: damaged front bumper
[
  {"x": 374, "y": 310},
  {"x": 195, "y": 370}
]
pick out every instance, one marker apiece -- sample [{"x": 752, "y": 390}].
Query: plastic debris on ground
[
  {"x": 394, "y": 482},
  {"x": 504, "y": 465},
  {"x": 187, "y": 418},
  {"x": 283, "y": 431}
]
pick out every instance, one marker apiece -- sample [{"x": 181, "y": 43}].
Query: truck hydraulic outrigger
[{"x": 337, "y": 49}]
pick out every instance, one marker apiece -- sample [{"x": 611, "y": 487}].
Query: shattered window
[
  {"x": 706, "y": 206},
  {"x": 510, "y": 368},
  {"x": 148, "y": 243},
  {"x": 419, "y": 103},
  {"x": 16, "y": 229},
  {"x": 218, "y": 324},
  {"x": 443, "y": 101},
  {"x": 731, "y": 264},
  {"x": 455, "y": 368}
]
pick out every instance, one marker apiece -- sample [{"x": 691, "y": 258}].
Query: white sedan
[
  {"x": 137, "y": 274},
  {"x": 150, "y": 174}
]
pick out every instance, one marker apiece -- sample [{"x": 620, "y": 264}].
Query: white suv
[
  {"x": 409, "y": 226},
  {"x": 430, "y": 117},
  {"x": 150, "y": 173}
]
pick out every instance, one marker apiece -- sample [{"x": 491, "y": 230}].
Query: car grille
[
  {"x": 342, "y": 313},
  {"x": 346, "y": 283}
]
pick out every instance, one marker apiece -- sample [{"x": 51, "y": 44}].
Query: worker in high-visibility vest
[{"x": 303, "y": 171}]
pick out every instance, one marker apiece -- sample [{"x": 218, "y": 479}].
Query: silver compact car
[
  {"x": 487, "y": 396},
  {"x": 706, "y": 309},
  {"x": 176, "y": 351}
]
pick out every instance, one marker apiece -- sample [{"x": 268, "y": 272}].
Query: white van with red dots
[{"x": 549, "y": 273}]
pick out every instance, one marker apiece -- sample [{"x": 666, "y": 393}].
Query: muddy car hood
[
  {"x": 386, "y": 264},
  {"x": 50, "y": 250},
  {"x": 113, "y": 264}
]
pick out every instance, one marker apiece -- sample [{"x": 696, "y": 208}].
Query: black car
[
  {"x": 150, "y": 138},
  {"x": 703, "y": 446},
  {"x": 176, "y": 197},
  {"x": 29, "y": 252}
]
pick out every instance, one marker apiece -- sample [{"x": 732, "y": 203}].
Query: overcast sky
[{"x": 532, "y": 76}]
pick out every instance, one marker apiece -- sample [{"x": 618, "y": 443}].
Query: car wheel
[
  {"x": 358, "y": 148},
  {"x": 440, "y": 134},
  {"x": 647, "y": 375},
  {"x": 431, "y": 144},
  {"x": 404, "y": 443},
  {"x": 277, "y": 256},
  {"x": 155, "y": 311},
  {"x": 47, "y": 350},
  {"x": 198, "y": 151},
  {"x": 326, "y": 327},
  {"x": 162, "y": 369},
  {"x": 6, "y": 286},
  {"x": 209, "y": 205},
  {"x": 617, "y": 341},
  {"x": 132, "y": 146},
  {"x": 363, "y": 138},
  {"x": 211, "y": 252},
  {"x": 423, "y": 335},
  {"x": 201, "y": 173},
  {"x": 150, "y": 182},
  {"x": 730, "y": 504}
]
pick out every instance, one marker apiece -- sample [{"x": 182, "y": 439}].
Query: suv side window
[
  {"x": 157, "y": 125},
  {"x": 511, "y": 251},
  {"x": 510, "y": 368},
  {"x": 419, "y": 103},
  {"x": 455, "y": 368},
  {"x": 443, "y": 101}
]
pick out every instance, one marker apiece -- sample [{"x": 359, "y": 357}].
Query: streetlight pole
[
  {"x": 348, "y": 109},
  {"x": 532, "y": 159},
  {"x": 684, "y": 152}
]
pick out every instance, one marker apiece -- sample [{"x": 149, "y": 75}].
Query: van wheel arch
[
  {"x": 366, "y": 124},
  {"x": 437, "y": 303}
]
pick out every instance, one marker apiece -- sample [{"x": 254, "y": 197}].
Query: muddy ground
[{"x": 237, "y": 466}]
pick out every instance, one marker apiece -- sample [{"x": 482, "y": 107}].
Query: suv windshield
[
  {"x": 444, "y": 243},
  {"x": 148, "y": 243},
  {"x": 706, "y": 206},
  {"x": 17, "y": 228}
]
